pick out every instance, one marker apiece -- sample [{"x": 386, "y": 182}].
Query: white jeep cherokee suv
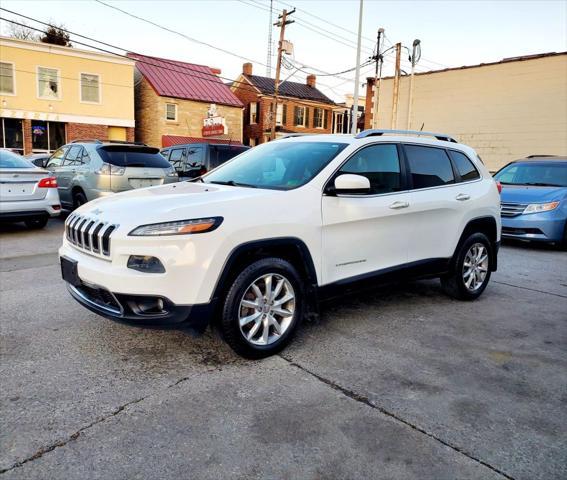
[{"x": 256, "y": 242}]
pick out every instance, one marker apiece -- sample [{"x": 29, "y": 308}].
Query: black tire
[
  {"x": 454, "y": 283},
  {"x": 563, "y": 244},
  {"x": 79, "y": 199},
  {"x": 229, "y": 323},
  {"x": 36, "y": 223}
]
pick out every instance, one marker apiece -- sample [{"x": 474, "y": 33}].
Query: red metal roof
[
  {"x": 169, "y": 140},
  {"x": 170, "y": 78}
]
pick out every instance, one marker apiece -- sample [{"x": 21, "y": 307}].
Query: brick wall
[
  {"x": 27, "y": 137},
  {"x": 151, "y": 123},
  {"x": 77, "y": 131},
  {"x": 505, "y": 111}
]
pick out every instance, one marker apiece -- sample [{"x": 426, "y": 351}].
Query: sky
[{"x": 452, "y": 32}]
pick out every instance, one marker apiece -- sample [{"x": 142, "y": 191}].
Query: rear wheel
[
  {"x": 471, "y": 270},
  {"x": 79, "y": 199},
  {"x": 263, "y": 308},
  {"x": 36, "y": 223}
]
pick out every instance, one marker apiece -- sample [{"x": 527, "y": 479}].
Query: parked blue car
[{"x": 534, "y": 199}]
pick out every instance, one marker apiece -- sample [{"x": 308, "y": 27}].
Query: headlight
[
  {"x": 541, "y": 207},
  {"x": 181, "y": 227},
  {"x": 171, "y": 172}
]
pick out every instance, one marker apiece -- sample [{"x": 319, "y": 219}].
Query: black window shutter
[
  {"x": 306, "y": 117},
  {"x": 325, "y": 119},
  {"x": 296, "y": 115},
  {"x": 284, "y": 114}
]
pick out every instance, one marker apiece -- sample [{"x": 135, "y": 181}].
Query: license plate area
[
  {"x": 69, "y": 271},
  {"x": 16, "y": 189},
  {"x": 144, "y": 182}
]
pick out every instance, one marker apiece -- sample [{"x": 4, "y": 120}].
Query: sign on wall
[{"x": 214, "y": 124}]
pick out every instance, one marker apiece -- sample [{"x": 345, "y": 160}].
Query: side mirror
[{"x": 350, "y": 183}]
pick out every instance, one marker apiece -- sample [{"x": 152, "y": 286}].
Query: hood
[
  {"x": 175, "y": 201},
  {"x": 531, "y": 194}
]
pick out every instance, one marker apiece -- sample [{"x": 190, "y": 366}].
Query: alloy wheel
[
  {"x": 475, "y": 267},
  {"x": 267, "y": 309}
]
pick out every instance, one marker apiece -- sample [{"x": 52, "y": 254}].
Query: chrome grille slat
[
  {"x": 90, "y": 235},
  {"x": 508, "y": 209}
]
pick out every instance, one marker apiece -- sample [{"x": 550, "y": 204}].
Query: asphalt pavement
[{"x": 392, "y": 383}]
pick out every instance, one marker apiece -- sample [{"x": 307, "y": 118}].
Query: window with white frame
[
  {"x": 280, "y": 114},
  {"x": 300, "y": 116},
  {"x": 339, "y": 125},
  {"x": 90, "y": 87},
  {"x": 48, "y": 83},
  {"x": 171, "y": 112},
  {"x": 254, "y": 112},
  {"x": 318, "y": 118},
  {"x": 7, "y": 78}
]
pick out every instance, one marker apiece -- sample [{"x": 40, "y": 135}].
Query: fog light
[{"x": 145, "y": 264}]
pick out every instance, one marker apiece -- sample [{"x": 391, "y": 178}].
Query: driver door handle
[
  {"x": 398, "y": 205},
  {"x": 462, "y": 197}
]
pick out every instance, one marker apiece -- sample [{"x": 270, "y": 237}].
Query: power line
[{"x": 202, "y": 75}]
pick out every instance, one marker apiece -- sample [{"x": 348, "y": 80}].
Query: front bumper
[
  {"x": 126, "y": 308},
  {"x": 539, "y": 227}
]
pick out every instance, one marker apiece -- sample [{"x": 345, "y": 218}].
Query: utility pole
[
  {"x": 269, "y": 59},
  {"x": 377, "y": 79},
  {"x": 354, "y": 118},
  {"x": 282, "y": 23},
  {"x": 396, "y": 86},
  {"x": 414, "y": 59}
]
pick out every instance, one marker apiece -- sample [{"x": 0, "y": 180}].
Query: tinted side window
[
  {"x": 176, "y": 156},
  {"x": 465, "y": 167},
  {"x": 429, "y": 166},
  {"x": 57, "y": 158},
  {"x": 380, "y": 164},
  {"x": 74, "y": 155}
]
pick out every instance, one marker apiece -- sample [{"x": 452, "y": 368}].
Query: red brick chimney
[
  {"x": 311, "y": 80},
  {"x": 247, "y": 69}
]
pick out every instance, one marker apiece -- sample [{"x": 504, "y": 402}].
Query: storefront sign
[{"x": 213, "y": 124}]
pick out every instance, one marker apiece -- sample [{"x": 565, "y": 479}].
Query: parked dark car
[
  {"x": 534, "y": 199},
  {"x": 194, "y": 159},
  {"x": 39, "y": 159}
]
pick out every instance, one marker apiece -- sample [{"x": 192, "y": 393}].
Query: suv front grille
[
  {"x": 90, "y": 235},
  {"x": 512, "y": 209}
]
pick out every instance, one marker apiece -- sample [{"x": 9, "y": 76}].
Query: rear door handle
[
  {"x": 398, "y": 205},
  {"x": 462, "y": 197}
]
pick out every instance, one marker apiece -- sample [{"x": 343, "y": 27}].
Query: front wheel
[
  {"x": 79, "y": 199},
  {"x": 263, "y": 308},
  {"x": 471, "y": 269}
]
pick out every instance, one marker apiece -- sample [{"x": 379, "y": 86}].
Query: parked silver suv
[{"x": 89, "y": 169}]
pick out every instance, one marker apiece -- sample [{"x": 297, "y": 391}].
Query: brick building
[
  {"x": 180, "y": 102},
  {"x": 51, "y": 95},
  {"x": 302, "y": 108},
  {"x": 505, "y": 110}
]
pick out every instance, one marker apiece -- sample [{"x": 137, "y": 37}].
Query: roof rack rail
[
  {"x": 86, "y": 140},
  {"x": 376, "y": 133}
]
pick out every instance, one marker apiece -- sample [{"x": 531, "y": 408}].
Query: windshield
[
  {"x": 276, "y": 165},
  {"x": 125, "y": 156},
  {"x": 544, "y": 174},
  {"x": 13, "y": 160}
]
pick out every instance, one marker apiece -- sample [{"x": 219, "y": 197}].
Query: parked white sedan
[{"x": 27, "y": 193}]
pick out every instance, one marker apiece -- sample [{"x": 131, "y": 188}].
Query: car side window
[
  {"x": 429, "y": 166},
  {"x": 85, "y": 158},
  {"x": 176, "y": 158},
  {"x": 380, "y": 164},
  {"x": 73, "y": 156},
  {"x": 465, "y": 167},
  {"x": 56, "y": 160}
]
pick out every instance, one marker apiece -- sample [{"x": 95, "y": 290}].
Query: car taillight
[
  {"x": 202, "y": 171},
  {"x": 47, "y": 182},
  {"x": 499, "y": 186}
]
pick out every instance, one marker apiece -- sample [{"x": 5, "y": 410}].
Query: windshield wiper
[
  {"x": 541, "y": 184},
  {"x": 232, "y": 183}
]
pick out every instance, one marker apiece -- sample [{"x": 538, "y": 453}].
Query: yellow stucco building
[
  {"x": 51, "y": 95},
  {"x": 505, "y": 110}
]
